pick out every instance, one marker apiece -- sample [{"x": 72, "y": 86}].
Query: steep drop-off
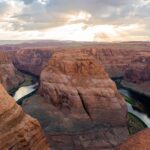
[
  {"x": 115, "y": 61},
  {"x": 32, "y": 60},
  {"x": 9, "y": 76},
  {"x": 137, "y": 75},
  {"x": 18, "y": 131},
  {"x": 79, "y": 107}
]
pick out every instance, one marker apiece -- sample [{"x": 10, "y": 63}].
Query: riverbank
[
  {"x": 28, "y": 80},
  {"x": 142, "y": 89},
  {"x": 135, "y": 119}
]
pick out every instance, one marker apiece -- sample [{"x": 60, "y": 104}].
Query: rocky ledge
[
  {"x": 79, "y": 107},
  {"x": 18, "y": 131}
]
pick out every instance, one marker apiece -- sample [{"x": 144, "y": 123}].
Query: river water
[
  {"x": 142, "y": 107},
  {"x": 25, "y": 91}
]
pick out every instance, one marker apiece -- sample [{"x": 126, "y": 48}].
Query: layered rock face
[
  {"x": 115, "y": 61},
  {"x": 32, "y": 60},
  {"x": 139, "y": 141},
  {"x": 9, "y": 76},
  {"x": 137, "y": 75},
  {"x": 18, "y": 131},
  {"x": 82, "y": 106}
]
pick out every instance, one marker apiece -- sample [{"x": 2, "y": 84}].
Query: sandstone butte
[
  {"x": 137, "y": 75},
  {"x": 80, "y": 107},
  {"x": 9, "y": 76},
  {"x": 18, "y": 131},
  {"x": 139, "y": 141}
]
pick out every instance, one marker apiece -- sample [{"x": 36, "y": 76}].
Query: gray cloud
[
  {"x": 53, "y": 12},
  {"x": 35, "y": 15}
]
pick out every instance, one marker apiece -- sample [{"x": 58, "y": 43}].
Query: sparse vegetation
[{"x": 135, "y": 124}]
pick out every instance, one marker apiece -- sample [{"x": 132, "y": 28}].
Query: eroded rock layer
[
  {"x": 32, "y": 60},
  {"x": 9, "y": 76},
  {"x": 139, "y": 141},
  {"x": 80, "y": 107},
  {"x": 18, "y": 131},
  {"x": 115, "y": 61},
  {"x": 137, "y": 75}
]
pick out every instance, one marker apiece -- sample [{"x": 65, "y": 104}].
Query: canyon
[
  {"x": 79, "y": 101},
  {"x": 76, "y": 103}
]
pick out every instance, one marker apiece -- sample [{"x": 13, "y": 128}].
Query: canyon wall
[
  {"x": 32, "y": 60},
  {"x": 137, "y": 75},
  {"x": 9, "y": 76},
  {"x": 79, "y": 107},
  {"x": 18, "y": 131},
  {"x": 115, "y": 61}
]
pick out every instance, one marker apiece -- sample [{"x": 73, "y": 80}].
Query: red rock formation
[
  {"x": 115, "y": 61},
  {"x": 9, "y": 76},
  {"x": 137, "y": 75},
  {"x": 139, "y": 141},
  {"x": 32, "y": 60},
  {"x": 80, "y": 108},
  {"x": 18, "y": 131}
]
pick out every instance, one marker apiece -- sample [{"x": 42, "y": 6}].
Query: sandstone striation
[
  {"x": 79, "y": 107},
  {"x": 115, "y": 61},
  {"x": 18, "y": 131},
  {"x": 137, "y": 75},
  {"x": 9, "y": 76},
  {"x": 32, "y": 60},
  {"x": 139, "y": 141}
]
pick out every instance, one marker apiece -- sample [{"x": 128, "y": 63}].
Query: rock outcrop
[
  {"x": 9, "y": 76},
  {"x": 139, "y": 141},
  {"x": 79, "y": 107},
  {"x": 115, "y": 61},
  {"x": 32, "y": 60},
  {"x": 18, "y": 131},
  {"x": 137, "y": 75}
]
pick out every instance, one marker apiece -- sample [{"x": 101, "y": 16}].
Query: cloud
[{"x": 41, "y": 16}]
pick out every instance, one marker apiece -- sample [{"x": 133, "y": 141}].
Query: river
[
  {"x": 26, "y": 89},
  {"x": 141, "y": 103}
]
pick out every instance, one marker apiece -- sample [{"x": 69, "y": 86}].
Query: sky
[{"x": 77, "y": 20}]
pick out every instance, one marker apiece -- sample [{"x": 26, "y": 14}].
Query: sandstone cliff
[
  {"x": 139, "y": 141},
  {"x": 137, "y": 75},
  {"x": 32, "y": 60},
  {"x": 115, "y": 61},
  {"x": 80, "y": 107},
  {"x": 9, "y": 76},
  {"x": 18, "y": 131}
]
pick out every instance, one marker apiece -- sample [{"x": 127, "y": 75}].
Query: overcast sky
[{"x": 80, "y": 20}]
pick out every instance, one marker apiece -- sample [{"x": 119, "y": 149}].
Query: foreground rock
[
  {"x": 79, "y": 107},
  {"x": 9, "y": 76},
  {"x": 139, "y": 141},
  {"x": 18, "y": 131},
  {"x": 32, "y": 60},
  {"x": 137, "y": 75}
]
